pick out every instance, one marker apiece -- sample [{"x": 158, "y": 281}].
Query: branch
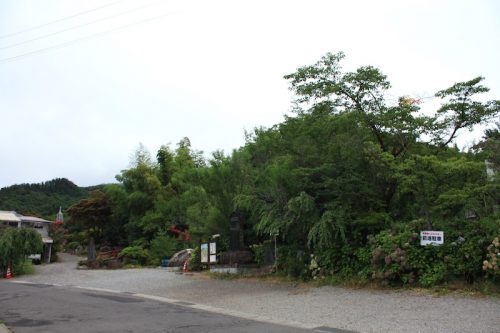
[
  {"x": 452, "y": 136},
  {"x": 374, "y": 128}
]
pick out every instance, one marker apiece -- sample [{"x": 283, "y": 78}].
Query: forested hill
[{"x": 42, "y": 199}]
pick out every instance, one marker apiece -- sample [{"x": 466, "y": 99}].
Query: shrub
[
  {"x": 15, "y": 245},
  {"x": 162, "y": 246},
  {"x": 391, "y": 257},
  {"x": 491, "y": 264},
  {"x": 344, "y": 260},
  {"x": 263, "y": 253},
  {"x": 58, "y": 237},
  {"x": 397, "y": 256},
  {"x": 134, "y": 255},
  {"x": 258, "y": 252},
  {"x": 434, "y": 275},
  {"x": 23, "y": 267},
  {"x": 293, "y": 262},
  {"x": 195, "y": 262}
]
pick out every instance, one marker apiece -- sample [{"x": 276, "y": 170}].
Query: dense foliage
[
  {"x": 346, "y": 184},
  {"x": 15, "y": 245},
  {"x": 42, "y": 200},
  {"x": 90, "y": 216}
]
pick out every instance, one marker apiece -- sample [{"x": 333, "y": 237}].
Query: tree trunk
[{"x": 91, "y": 253}]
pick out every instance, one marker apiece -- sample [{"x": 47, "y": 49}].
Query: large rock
[{"x": 180, "y": 258}]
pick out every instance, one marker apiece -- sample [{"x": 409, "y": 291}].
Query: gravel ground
[{"x": 357, "y": 310}]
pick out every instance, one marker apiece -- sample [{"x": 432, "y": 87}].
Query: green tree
[
  {"x": 362, "y": 92},
  {"x": 461, "y": 110},
  {"x": 489, "y": 148},
  {"x": 41, "y": 199},
  {"x": 165, "y": 158},
  {"x": 350, "y": 178},
  {"x": 91, "y": 215},
  {"x": 16, "y": 244}
]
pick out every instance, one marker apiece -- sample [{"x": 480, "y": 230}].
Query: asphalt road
[
  {"x": 27, "y": 308},
  {"x": 328, "y": 308}
]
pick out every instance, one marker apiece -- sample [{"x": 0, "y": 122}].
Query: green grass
[
  {"x": 24, "y": 268},
  {"x": 479, "y": 288}
]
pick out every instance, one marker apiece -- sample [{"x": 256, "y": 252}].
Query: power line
[
  {"x": 78, "y": 26},
  {"x": 61, "y": 19},
  {"x": 75, "y": 41}
]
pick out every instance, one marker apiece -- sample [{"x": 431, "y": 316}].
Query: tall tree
[
  {"x": 91, "y": 214},
  {"x": 460, "y": 110},
  {"x": 16, "y": 244},
  {"x": 395, "y": 127}
]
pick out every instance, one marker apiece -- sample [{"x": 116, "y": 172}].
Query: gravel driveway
[{"x": 356, "y": 310}]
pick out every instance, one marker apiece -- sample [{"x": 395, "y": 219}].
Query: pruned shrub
[
  {"x": 161, "y": 247},
  {"x": 195, "y": 261},
  {"x": 134, "y": 255}
]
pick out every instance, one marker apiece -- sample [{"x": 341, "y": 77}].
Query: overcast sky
[{"x": 78, "y": 95}]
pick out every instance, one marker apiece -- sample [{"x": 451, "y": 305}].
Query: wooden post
[{"x": 50, "y": 253}]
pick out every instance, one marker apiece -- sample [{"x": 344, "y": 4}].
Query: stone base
[{"x": 240, "y": 269}]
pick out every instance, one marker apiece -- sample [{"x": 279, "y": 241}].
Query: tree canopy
[
  {"x": 349, "y": 179},
  {"x": 16, "y": 244},
  {"x": 42, "y": 199}
]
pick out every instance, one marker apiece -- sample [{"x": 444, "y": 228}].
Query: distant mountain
[{"x": 43, "y": 199}]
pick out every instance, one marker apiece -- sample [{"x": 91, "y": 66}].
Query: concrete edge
[{"x": 202, "y": 307}]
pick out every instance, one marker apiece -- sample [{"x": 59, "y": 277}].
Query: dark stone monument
[
  {"x": 236, "y": 233},
  {"x": 237, "y": 253}
]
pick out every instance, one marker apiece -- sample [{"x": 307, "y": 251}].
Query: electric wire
[
  {"x": 79, "y": 26},
  {"x": 61, "y": 19},
  {"x": 78, "y": 40}
]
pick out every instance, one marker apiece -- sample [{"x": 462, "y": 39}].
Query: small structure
[
  {"x": 238, "y": 255},
  {"x": 11, "y": 219},
  {"x": 59, "y": 216}
]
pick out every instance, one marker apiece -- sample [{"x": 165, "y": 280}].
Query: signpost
[{"x": 431, "y": 237}]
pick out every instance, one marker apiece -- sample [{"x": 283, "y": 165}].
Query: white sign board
[
  {"x": 204, "y": 253},
  {"x": 213, "y": 252},
  {"x": 213, "y": 248},
  {"x": 431, "y": 237}
]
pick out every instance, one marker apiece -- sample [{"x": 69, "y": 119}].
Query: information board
[
  {"x": 204, "y": 253},
  {"x": 213, "y": 248},
  {"x": 431, "y": 237}
]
